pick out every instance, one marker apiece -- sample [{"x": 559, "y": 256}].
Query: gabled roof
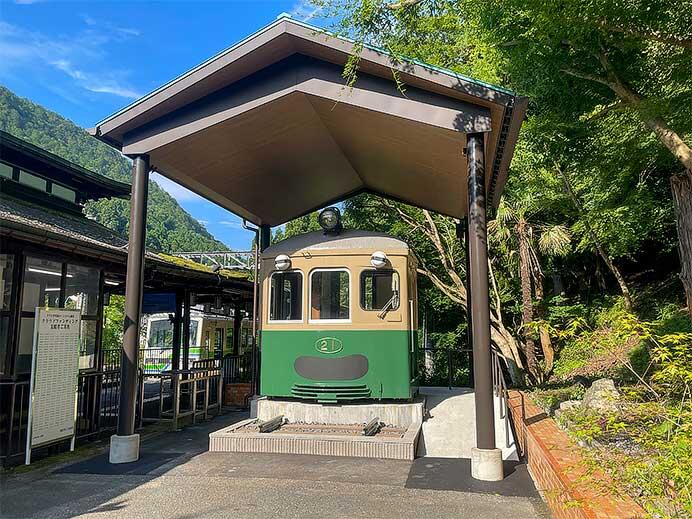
[
  {"x": 90, "y": 185},
  {"x": 268, "y": 130}
]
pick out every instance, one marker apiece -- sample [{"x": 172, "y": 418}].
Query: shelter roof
[{"x": 269, "y": 130}]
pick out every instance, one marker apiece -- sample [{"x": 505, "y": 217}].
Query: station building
[{"x": 53, "y": 255}]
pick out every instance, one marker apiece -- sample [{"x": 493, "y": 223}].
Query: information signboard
[{"x": 54, "y": 372}]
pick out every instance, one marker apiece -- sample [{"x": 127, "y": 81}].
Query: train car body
[
  {"x": 336, "y": 328},
  {"x": 211, "y": 336}
]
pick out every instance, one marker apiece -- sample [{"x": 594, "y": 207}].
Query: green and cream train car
[{"x": 339, "y": 322}]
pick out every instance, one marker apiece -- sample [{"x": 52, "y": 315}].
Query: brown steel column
[
  {"x": 186, "y": 330},
  {"x": 177, "y": 329},
  {"x": 263, "y": 240},
  {"x": 133, "y": 295},
  {"x": 478, "y": 284},
  {"x": 237, "y": 323}
]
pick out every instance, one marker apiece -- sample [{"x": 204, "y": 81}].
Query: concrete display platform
[
  {"x": 229, "y": 439},
  {"x": 400, "y": 414}
]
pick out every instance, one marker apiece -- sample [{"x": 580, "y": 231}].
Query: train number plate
[{"x": 328, "y": 345}]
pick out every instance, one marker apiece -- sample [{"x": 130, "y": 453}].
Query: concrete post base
[
  {"x": 486, "y": 464},
  {"x": 124, "y": 449}
]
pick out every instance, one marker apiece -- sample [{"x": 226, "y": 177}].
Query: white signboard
[{"x": 54, "y": 371}]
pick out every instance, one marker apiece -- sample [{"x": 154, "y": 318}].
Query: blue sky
[{"x": 86, "y": 60}]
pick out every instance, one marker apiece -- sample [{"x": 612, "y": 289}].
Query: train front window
[
  {"x": 329, "y": 295},
  {"x": 379, "y": 289},
  {"x": 286, "y": 298}
]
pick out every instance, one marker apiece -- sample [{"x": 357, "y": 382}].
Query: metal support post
[
  {"x": 486, "y": 461},
  {"x": 125, "y": 444},
  {"x": 177, "y": 329},
  {"x": 186, "y": 330}
]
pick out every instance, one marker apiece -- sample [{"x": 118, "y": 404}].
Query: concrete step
[{"x": 449, "y": 430}]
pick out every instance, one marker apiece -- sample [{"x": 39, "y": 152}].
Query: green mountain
[{"x": 169, "y": 227}]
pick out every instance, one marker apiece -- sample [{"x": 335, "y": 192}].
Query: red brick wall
[
  {"x": 572, "y": 488},
  {"x": 235, "y": 394}
]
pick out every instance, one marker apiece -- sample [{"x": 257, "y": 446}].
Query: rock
[
  {"x": 569, "y": 404},
  {"x": 565, "y": 406},
  {"x": 602, "y": 396}
]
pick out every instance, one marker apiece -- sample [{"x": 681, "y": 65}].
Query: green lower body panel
[{"x": 335, "y": 366}]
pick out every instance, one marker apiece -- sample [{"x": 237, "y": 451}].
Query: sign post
[{"x": 54, "y": 372}]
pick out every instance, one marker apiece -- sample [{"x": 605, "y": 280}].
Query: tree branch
[
  {"x": 455, "y": 295},
  {"x": 658, "y": 36},
  {"x": 402, "y": 4},
  {"x": 588, "y": 77}
]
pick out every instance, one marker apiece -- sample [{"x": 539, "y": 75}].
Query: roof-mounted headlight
[
  {"x": 378, "y": 259},
  {"x": 282, "y": 262},
  {"x": 330, "y": 220}
]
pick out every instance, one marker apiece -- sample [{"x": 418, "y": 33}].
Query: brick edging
[{"x": 571, "y": 488}]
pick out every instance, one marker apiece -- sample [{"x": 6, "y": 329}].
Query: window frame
[
  {"x": 361, "y": 293},
  {"x": 29, "y": 252},
  {"x": 350, "y": 296},
  {"x": 302, "y": 299}
]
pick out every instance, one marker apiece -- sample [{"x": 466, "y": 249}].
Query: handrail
[
  {"x": 194, "y": 382},
  {"x": 500, "y": 391}
]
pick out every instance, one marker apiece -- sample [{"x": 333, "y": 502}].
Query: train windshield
[
  {"x": 329, "y": 295},
  {"x": 378, "y": 289},
  {"x": 286, "y": 298}
]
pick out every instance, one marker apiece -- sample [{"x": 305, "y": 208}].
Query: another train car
[
  {"x": 211, "y": 336},
  {"x": 339, "y": 322}
]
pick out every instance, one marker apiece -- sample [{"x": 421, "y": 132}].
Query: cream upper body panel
[{"x": 350, "y": 251}]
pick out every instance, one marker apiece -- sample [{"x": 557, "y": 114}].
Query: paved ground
[{"x": 177, "y": 478}]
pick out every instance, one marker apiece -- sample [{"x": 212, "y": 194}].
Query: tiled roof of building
[{"x": 33, "y": 219}]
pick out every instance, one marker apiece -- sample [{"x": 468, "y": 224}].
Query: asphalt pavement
[{"x": 177, "y": 478}]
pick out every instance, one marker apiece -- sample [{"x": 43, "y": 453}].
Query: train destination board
[{"x": 55, "y": 367}]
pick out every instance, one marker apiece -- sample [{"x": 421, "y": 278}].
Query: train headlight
[
  {"x": 378, "y": 259},
  {"x": 330, "y": 220},
  {"x": 282, "y": 262}
]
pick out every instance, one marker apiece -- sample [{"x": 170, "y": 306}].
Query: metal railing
[
  {"x": 182, "y": 393},
  {"x": 237, "y": 368},
  {"x": 225, "y": 259},
  {"x": 98, "y": 395},
  {"x": 450, "y": 365},
  {"x": 500, "y": 391},
  {"x": 14, "y": 413},
  {"x": 155, "y": 360}
]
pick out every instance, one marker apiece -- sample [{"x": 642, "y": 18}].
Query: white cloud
[
  {"x": 82, "y": 57},
  {"x": 305, "y": 10},
  {"x": 174, "y": 189},
  {"x": 232, "y": 224},
  {"x": 95, "y": 84}
]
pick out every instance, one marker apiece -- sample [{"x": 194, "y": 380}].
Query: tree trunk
[
  {"x": 546, "y": 343},
  {"x": 509, "y": 347},
  {"x": 526, "y": 296},
  {"x": 597, "y": 243},
  {"x": 681, "y": 186}
]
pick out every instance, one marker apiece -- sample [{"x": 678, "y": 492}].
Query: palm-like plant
[{"x": 523, "y": 236}]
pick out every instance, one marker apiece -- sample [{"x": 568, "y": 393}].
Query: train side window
[
  {"x": 286, "y": 297},
  {"x": 379, "y": 289},
  {"x": 330, "y": 298}
]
